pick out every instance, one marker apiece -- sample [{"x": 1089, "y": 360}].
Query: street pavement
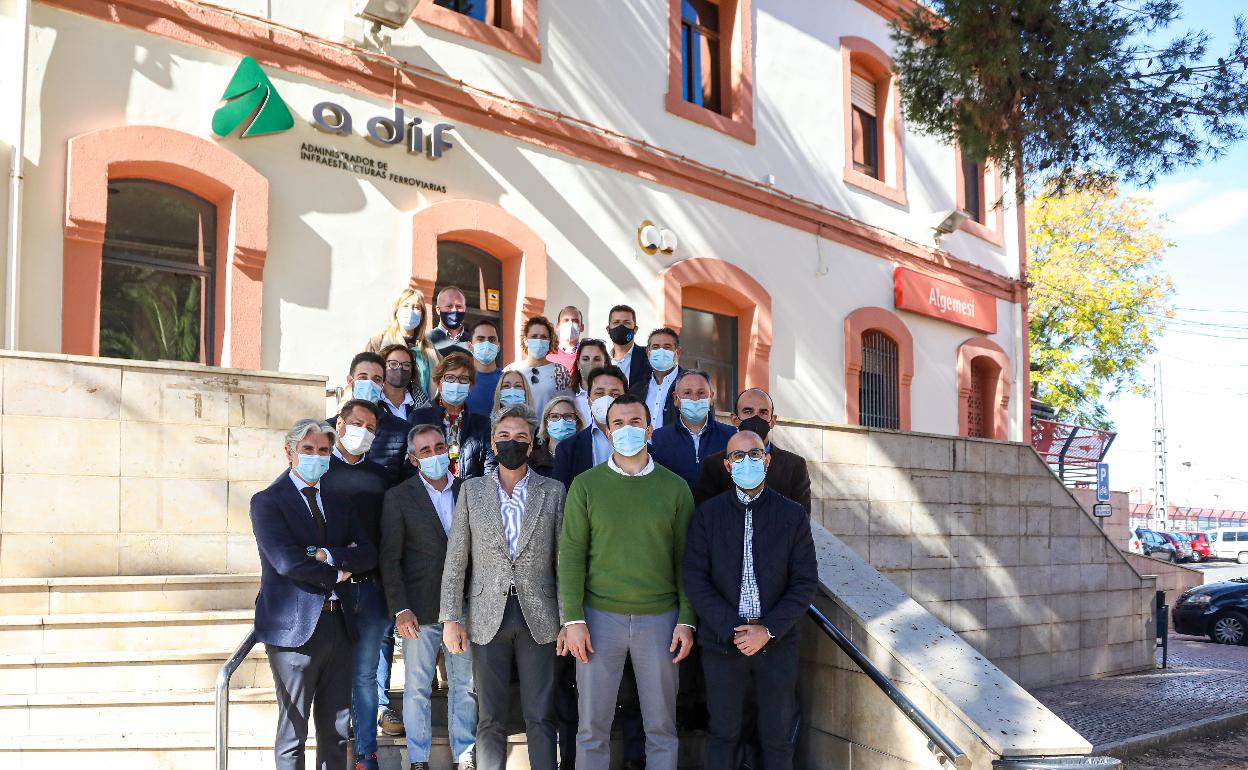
[
  {"x": 1220, "y": 570},
  {"x": 1204, "y": 681}
]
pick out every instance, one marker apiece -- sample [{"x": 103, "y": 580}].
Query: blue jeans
[
  {"x": 372, "y": 619},
  {"x": 420, "y": 657},
  {"x": 384, "y": 665}
]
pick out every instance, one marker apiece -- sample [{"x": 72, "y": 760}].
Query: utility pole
[{"x": 1161, "y": 499}]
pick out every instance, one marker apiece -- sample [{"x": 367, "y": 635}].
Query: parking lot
[{"x": 1220, "y": 570}]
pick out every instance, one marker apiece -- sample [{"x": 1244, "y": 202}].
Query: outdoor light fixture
[
  {"x": 651, "y": 238},
  {"x": 386, "y": 13},
  {"x": 952, "y": 221}
]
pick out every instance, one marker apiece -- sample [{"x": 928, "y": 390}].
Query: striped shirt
[
  {"x": 512, "y": 508},
  {"x": 749, "y": 607}
]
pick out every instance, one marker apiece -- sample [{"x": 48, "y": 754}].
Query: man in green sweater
[{"x": 620, "y": 577}]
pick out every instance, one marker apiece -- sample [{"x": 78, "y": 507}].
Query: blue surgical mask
[
  {"x": 484, "y": 352},
  {"x": 454, "y": 393},
  {"x": 561, "y": 429},
  {"x": 312, "y": 467},
  {"x": 408, "y": 317},
  {"x": 695, "y": 410},
  {"x": 628, "y": 440},
  {"x": 434, "y": 467},
  {"x": 366, "y": 390},
  {"x": 748, "y": 473},
  {"x": 537, "y": 348},
  {"x": 662, "y": 359},
  {"x": 511, "y": 396}
]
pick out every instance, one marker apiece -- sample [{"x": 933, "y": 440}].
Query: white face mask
[
  {"x": 357, "y": 439},
  {"x": 599, "y": 408},
  {"x": 569, "y": 334}
]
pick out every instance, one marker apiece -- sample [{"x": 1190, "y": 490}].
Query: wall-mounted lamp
[
  {"x": 386, "y": 13},
  {"x": 952, "y": 221},
  {"x": 651, "y": 238}
]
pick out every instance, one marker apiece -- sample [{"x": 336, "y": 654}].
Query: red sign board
[{"x": 945, "y": 301}]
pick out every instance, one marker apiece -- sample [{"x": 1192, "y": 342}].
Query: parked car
[
  {"x": 1182, "y": 546},
  {"x": 1229, "y": 543},
  {"x": 1154, "y": 545},
  {"x": 1217, "y": 610},
  {"x": 1200, "y": 545}
]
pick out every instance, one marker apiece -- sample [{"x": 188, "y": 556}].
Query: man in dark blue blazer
[
  {"x": 591, "y": 446},
  {"x": 694, "y": 434},
  {"x": 630, "y": 357},
  {"x": 388, "y": 447},
  {"x": 750, "y": 573},
  {"x": 310, "y": 543}
]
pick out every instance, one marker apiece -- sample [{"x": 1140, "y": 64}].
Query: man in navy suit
[
  {"x": 591, "y": 446},
  {"x": 310, "y": 542},
  {"x": 630, "y": 357}
]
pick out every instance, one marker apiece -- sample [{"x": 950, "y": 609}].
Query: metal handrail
[
  {"x": 937, "y": 742},
  {"x": 223, "y": 698}
]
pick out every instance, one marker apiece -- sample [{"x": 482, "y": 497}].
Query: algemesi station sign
[{"x": 944, "y": 301}]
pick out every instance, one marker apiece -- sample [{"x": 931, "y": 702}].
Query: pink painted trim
[
  {"x": 999, "y": 395},
  {"x": 491, "y": 229},
  {"x": 860, "y": 54},
  {"x": 750, "y": 301},
  {"x": 859, "y": 323},
  {"x": 197, "y": 165},
  {"x": 736, "y": 66},
  {"x": 517, "y": 34},
  {"x": 994, "y": 233},
  {"x": 1022, "y": 297}
]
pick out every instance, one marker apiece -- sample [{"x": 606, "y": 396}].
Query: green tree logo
[{"x": 251, "y": 98}]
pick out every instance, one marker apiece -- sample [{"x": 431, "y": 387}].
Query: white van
[{"x": 1229, "y": 543}]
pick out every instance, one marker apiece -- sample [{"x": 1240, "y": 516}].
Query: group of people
[{"x": 579, "y": 514}]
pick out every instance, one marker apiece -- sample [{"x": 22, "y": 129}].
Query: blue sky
[{"x": 1205, "y": 378}]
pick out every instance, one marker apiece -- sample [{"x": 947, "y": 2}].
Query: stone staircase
[{"x": 119, "y": 672}]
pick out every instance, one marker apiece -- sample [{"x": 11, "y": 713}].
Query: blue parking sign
[{"x": 1102, "y": 482}]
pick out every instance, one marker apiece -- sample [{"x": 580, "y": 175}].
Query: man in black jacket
[
  {"x": 364, "y": 485},
  {"x": 750, "y": 573},
  {"x": 385, "y": 446},
  {"x": 416, "y": 518},
  {"x": 786, "y": 472}
]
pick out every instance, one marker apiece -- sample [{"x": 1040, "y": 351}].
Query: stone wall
[
  {"x": 984, "y": 536},
  {"x": 132, "y": 468}
]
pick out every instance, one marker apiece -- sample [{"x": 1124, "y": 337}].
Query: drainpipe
[{"x": 13, "y": 242}]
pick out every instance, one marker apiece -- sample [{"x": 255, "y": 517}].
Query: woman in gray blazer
[{"x": 505, "y": 541}]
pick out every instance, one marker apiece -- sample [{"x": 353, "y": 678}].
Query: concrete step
[
  {"x": 137, "y": 593},
  {"x": 139, "y": 631},
  {"x": 124, "y": 671}
]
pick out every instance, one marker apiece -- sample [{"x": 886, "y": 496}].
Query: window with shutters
[
  {"x": 878, "y": 392},
  {"x": 979, "y": 193},
  {"x": 978, "y": 421},
  {"x": 874, "y": 159},
  {"x": 710, "y": 65}
]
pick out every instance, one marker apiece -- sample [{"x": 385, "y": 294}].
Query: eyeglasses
[
  {"x": 462, "y": 379},
  {"x": 399, "y": 365},
  {"x": 753, "y": 454}
]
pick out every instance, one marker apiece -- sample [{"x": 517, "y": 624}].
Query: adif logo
[{"x": 251, "y": 98}]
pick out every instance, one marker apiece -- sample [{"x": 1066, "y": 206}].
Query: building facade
[{"x": 250, "y": 183}]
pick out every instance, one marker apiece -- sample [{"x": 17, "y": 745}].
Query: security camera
[{"x": 386, "y": 13}]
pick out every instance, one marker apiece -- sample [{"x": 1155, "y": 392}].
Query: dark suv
[
  {"x": 1217, "y": 610},
  {"x": 1153, "y": 544}
]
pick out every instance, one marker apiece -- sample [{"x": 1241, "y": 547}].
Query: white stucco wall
[{"x": 340, "y": 245}]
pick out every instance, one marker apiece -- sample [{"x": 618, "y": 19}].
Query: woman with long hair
[
  {"x": 590, "y": 354},
  {"x": 546, "y": 378},
  {"x": 560, "y": 421},
  {"x": 407, "y": 326}
]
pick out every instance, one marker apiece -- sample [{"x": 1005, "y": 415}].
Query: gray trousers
[
  {"x": 314, "y": 680},
  {"x": 647, "y": 639},
  {"x": 491, "y": 674}
]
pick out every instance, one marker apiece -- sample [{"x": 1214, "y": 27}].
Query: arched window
[
  {"x": 158, "y": 276},
  {"x": 879, "y": 392},
  {"x": 978, "y": 418},
  {"x": 879, "y": 365},
  {"x": 479, "y": 274},
  {"x": 983, "y": 389}
]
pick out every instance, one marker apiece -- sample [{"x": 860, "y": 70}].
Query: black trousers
[
  {"x": 314, "y": 680},
  {"x": 491, "y": 674},
  {"x": 566, "y": 714},
  {"x": 774, "y": 673}
]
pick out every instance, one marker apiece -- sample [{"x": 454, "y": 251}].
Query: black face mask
[
  {"x": 512, "y": 454},
  {"x": 398, "y": 378},
  {"x": 621, "y": 335},
  {"x": 452, "y": 319},
  {"x": 757, "y": 425}
]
